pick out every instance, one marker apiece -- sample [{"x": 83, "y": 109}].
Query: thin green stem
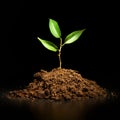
[{"x": 59, "y": 54}]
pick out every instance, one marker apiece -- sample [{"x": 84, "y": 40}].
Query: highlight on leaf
[
  {"x": 72, "y": 37},
  {"x": 48, "y": 44},
  {"x": 54, "y": 28}
]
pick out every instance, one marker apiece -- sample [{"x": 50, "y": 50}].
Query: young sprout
[{"x": 56, "y": 32}]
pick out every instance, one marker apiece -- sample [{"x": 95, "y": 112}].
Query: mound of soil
[{"x": 60, "y": 85}]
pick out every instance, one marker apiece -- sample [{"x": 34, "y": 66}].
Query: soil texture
[{"x": 60, "y": 85}]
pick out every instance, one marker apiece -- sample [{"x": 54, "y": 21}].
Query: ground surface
[{"x": 60, "y": 85}]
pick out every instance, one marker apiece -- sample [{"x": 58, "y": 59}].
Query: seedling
[{"x": 56, "y": 32}]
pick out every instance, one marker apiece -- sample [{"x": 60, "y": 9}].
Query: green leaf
[
  {"x": 48, "y": 44},
  {"x": 72, "y": 37},
  {"x": 54, "y": 28}
]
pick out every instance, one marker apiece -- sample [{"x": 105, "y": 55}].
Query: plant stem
[{"x": 59, "y": 54}]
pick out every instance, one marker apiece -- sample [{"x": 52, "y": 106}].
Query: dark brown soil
[{"x": 60, "y": 85}]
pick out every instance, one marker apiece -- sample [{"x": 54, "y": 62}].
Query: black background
[{"x": 95, "y": 55}]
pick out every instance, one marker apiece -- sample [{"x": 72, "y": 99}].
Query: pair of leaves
[{"x": 56, "y": 32}]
